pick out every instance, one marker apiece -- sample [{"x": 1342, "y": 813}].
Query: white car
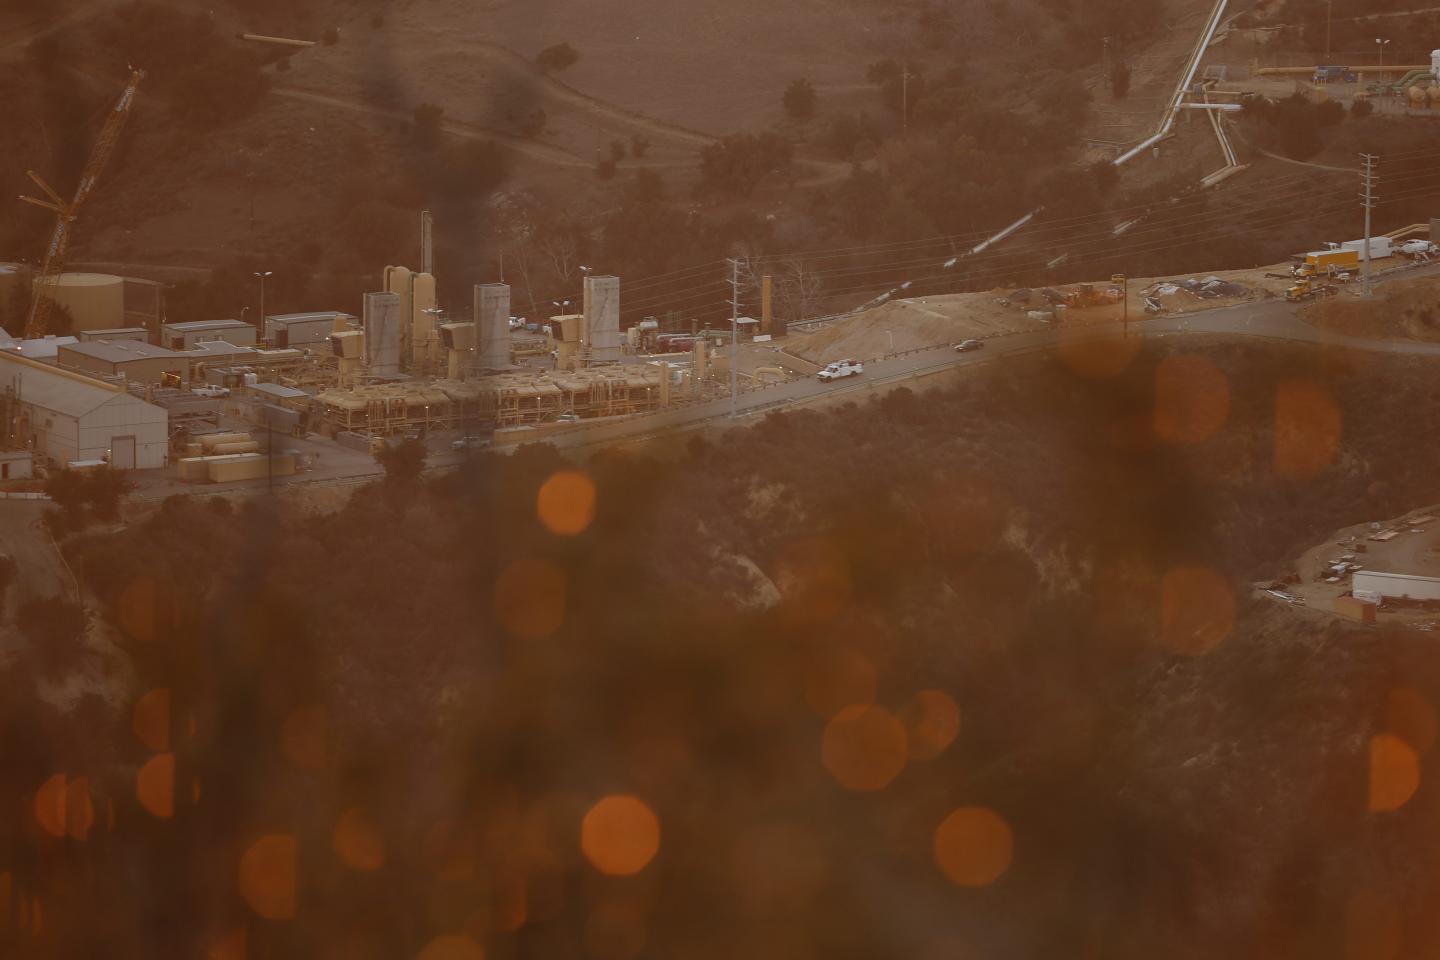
[
  {"x": 1417, "y": 248},
  {"x": 965, "y": 346},
  {"x": 840, "y": 368},
  {"x": 211, "y": 391}
]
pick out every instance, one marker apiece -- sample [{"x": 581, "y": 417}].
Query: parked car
[
  {"x": 840, "y": 368},
  {"x": 1417, "y": 248},
  {"x": 210, "y": 390},
  {"x": 965, "y": 346},
  {"x": 470, "y": 443},
  {"x": 568, "y": 417}
]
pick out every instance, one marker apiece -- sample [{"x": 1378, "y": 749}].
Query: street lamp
[
  {"x": 262, "y": 276},
  {"x": 1380, "y": 45}
]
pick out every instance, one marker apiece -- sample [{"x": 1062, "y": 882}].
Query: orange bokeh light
[
  {"x": 837, "y": 678},
  {"x": 304, "y": 737},
  {"x": 50, "y": 805},
  {"x": 1197, "y": 610},
  {"x": 932, "y": 722},
  {"x": 79, "y": 809},
  {"x": 267, "y": 876},
  {"x": 1307, "y": 428},
  {"x": 530, "y": 599},
  {"x": 566, "y": 502},
  {"x": 1412, "y": 718},
  {"x": 620, "y": 835},
  {"x": 155, "y": 786},
  {"x": 358, "y": 842},
  {"x": 973, "y": 846},
  {"x": 1394, "y": 772},
  {"x": 452, "y": 947},
  {"x": 150, "y": 719},
  {"x": 1192, "y": 399},
  {"x": 864, "y": 748}
]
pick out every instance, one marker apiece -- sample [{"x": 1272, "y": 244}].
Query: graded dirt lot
[
  {"x": 902, "y": 325},
  {"x": 1415, "y": 549},
  {"x": 1408, "y": 309}
]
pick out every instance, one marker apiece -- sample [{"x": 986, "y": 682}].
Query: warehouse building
[
  {"x": 1375, "y": 585},
  {"x": 184, "y": 336},
  {"x": 68, "y": 417},
  {"x": 131, "y": 359},
  {"x": 116, "y": 333},
  {"x": 304, "y": 329}
]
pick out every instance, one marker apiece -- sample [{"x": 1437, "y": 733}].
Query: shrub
[
  {"x": 799, "y": 99},
  {"x": 1361, "y": 109},
  {"x": 557, "y": 57}
]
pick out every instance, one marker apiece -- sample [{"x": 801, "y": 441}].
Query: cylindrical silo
[
  {"x": 96, "y": 301},
  {"x": 382, "y": 334},
  {"x": 492, "y": 325},
  {"x": 602, "y": 318},
  {"x": 423, "y": 335}
]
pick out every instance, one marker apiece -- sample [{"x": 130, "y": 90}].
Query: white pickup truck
[{"x": 840, "y": 368}]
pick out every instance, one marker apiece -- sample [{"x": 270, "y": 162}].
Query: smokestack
[
  {"x": 492, "y": 325},
  {"x": 602, "y": 318},
  {"x": 766, "y": 320}
]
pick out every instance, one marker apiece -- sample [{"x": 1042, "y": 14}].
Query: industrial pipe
[{"x": 282, "y": 41}]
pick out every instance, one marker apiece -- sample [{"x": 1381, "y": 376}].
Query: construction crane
[{"x": 54, "y": 262}]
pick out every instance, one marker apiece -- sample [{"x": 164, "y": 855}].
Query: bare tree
[{"x": 797, "y": 285}]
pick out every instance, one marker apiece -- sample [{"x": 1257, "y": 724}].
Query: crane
[{"x": 54, "y": 262}]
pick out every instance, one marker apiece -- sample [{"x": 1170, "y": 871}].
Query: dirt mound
[{"x": 1411, "y": 313}]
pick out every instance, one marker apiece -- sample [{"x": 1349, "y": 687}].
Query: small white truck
[{"x": 840, "y": 368}]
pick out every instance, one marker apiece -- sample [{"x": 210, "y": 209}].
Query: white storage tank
[{"x": 96, "y": 301}]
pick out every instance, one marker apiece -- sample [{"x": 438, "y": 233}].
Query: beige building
[
  {"x": 183, "y": 336},
  {"x": 131, "y": 359}
]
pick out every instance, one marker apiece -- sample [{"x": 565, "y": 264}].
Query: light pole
[
  {"x": 262, "y": 275},
  {"x": 1120, "y": 280},
  {"x": 1380, "y": 45}
]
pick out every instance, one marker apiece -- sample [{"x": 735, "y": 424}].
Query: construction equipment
[
  {"x": 1307, "y": 289},
  {"x": 54, "y": 263}
]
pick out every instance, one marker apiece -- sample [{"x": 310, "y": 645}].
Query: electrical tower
[
  {"x": 1367, "y": 200},
  {"x": 54, "y": 263}
]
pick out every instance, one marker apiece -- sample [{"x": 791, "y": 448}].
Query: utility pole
[
  {"x": 427, "y": 250},
  {"x": 1367, "y": 200},
  {"x": 262, "y": 274},
  {"x": 1329, "y": 4},
  {"x": 734, "y": 332}
]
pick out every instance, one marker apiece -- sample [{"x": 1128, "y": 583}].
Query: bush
[
  {"x": 799, "y": 99},
  {"x": 557, "y": 57},
  {"x": 404, "y": 462},
  {"x": 1361, "y": 109},
  {"x": 737, "y": 164}
]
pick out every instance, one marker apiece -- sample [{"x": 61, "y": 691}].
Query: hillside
[{"x": 1062, "y": 559}]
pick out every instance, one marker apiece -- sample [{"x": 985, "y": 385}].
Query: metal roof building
[
  {"x": 183, "y": 336},
  {"x": 131, "y": 359},
  {"x": 70, "y": 417},
  {"x": 298, "y": 329}
]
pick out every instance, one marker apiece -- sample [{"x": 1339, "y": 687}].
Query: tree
[
  {"x": 557, "y": 57},
  {"x": 797, "y": 285},
  {"x": 1360, "y": 109},
  {"x": 799, "y": 99},
  {"x": 737, "y": 164},
  {"x": 426, "y": 126},
  {"x": 404, "y": 462}
]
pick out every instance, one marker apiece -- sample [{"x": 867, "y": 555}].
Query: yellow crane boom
[{"x": 65, "y": 213}]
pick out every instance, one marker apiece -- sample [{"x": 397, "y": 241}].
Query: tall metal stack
[
  {"x": 423, "y": 331},
  {"x": 602, "y": 318},
  {"x": 492, "y": 325},
  {"x": 382, "y": 334},
  {"x": 398, "y": 281}
]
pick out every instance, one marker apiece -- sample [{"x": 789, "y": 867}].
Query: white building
[
  {"x": 305, "y": 329},
  {"x": 68, "y": 417},
  {"x": 1374, "y": 585}
]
